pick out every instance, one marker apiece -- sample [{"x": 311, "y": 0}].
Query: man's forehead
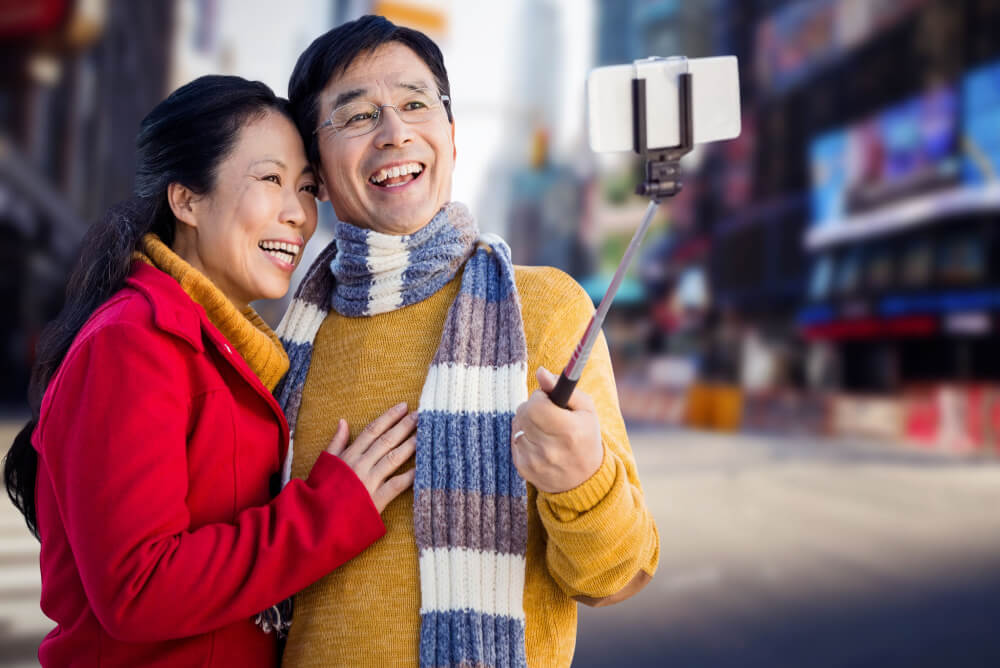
[{"x": 372, "y": 79}]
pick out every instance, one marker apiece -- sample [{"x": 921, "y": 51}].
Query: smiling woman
[
  {"x": 146, "y": 467},
  {"x": 247, "y": 234}
]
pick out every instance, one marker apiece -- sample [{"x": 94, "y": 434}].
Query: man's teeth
[
  {"x": 279, "y": 249},
  {"x": 397, "y": 171}
]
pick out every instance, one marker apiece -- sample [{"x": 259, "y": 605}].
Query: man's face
[{"x": 357, "y": 171}]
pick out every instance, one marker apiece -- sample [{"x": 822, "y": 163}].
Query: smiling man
[{"x": 520, "y": 509}]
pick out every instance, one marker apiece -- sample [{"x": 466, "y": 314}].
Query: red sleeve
[{"x": 114, "y": 443}]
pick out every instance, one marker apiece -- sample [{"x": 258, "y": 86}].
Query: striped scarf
[{"x": 470, "y": 503}]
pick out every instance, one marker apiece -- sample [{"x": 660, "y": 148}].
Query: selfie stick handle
[{"x": 662, "y": 180}]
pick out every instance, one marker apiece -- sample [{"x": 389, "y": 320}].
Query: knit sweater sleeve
[{"x": 602, "y": 542}]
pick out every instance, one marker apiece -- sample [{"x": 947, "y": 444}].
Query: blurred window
[
  {"x": 822, "y": 278},
  {"x": 962, "y": 260},
  {"x": 849, "y": 271},
  {"x": 880, "y": 268},
  {"x": 917, "y": 264}
]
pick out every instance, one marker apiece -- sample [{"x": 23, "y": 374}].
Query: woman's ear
[{"x": 182, "y": 202}]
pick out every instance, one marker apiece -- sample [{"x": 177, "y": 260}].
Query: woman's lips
[{"x": 284, "y": 265}]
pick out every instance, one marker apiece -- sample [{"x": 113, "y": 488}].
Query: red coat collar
[
  {"x": 176, "y": 313},
  {"x": 173, "y": 310}
]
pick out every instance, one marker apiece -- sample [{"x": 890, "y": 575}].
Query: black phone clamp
[{"x": 663, "y": 168}]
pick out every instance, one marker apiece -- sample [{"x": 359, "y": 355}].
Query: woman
[{"x": 145, "y": 470}]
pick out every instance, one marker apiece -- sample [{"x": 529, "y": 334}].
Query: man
[{"x": 513, "y": 519}]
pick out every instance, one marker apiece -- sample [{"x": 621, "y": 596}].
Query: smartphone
[{"x": 715, "y": 103}]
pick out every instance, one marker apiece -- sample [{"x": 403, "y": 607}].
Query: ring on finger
[{"x": 518, "y": 434}]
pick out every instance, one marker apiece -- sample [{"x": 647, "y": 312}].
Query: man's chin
[{"x": 406, "y": 222}]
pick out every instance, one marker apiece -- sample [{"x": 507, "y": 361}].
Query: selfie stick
[{"x": 663, "y": 173}]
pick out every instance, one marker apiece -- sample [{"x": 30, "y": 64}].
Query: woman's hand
[
  {"x": 553, "y": 448},
  {"x": 378, "y": 451}
]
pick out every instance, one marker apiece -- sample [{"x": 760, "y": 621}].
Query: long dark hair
[{"x": 182, "y": 140}]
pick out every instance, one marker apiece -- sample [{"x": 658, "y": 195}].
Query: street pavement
[
  {"x": 22, "y": 624},
  {"x": 774, "y": 552},
  {"x": 808, "y": 553}
]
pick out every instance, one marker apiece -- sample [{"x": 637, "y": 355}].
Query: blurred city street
[
  {"x": 808, "y": 552},
  {"x": 775, "y": 552},
  {"x": 830, "y": 276}
]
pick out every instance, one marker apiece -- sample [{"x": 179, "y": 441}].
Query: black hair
[
  {"x": 333, "y": 52},
  {"x": 182, "y": 140}
]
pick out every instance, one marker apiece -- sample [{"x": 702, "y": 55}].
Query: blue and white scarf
[{"x": 470, "y": 503}]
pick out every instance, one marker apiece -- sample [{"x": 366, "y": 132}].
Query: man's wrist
[{"x": 590, "y": 492}]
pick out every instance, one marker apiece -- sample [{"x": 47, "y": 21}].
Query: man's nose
[{"x": 392, "y": 130}]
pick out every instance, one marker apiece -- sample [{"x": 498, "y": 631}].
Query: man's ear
[{"x": 182, "y": 204}]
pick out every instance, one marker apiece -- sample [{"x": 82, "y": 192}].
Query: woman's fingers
[
  {"x": 394, "y": 458},
  {"x": 340, "y": 439},
  {"x": 378, "y": 452},
  {"x": 377, "y": 428},
  {"x": 392, "y": 488},
  {"x": 392, "y": 438}
]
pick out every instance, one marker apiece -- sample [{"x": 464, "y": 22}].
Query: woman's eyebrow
[{"x": 274, "y": 161}]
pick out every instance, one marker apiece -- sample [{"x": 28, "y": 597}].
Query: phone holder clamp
[{"x": 663, "y": 169}]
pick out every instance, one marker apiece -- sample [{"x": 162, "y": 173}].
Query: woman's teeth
[
  {"x": 396, "y": 175},
  {"x": 282, "y": 251}
]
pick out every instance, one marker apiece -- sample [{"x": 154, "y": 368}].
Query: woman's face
[{"x": 248, "y": 233}]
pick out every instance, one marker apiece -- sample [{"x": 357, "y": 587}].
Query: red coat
[{"x": 160, "y": 541}]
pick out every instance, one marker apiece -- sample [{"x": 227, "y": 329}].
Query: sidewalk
[{"x": 22, "y": 624}]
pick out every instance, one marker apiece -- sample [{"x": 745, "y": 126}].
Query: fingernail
[
  {"x": 413, "y": 416},
  {"x": 400, "y": 406}
]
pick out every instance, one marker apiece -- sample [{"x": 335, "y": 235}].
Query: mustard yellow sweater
[{"x": 590, "y": 542}]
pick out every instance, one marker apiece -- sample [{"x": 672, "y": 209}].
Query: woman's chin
[{"x": 276, "y": 291}]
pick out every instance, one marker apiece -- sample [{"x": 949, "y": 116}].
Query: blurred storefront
[
  {"x": 903, "y": 286},
  {"x": 851, "y": 248}
]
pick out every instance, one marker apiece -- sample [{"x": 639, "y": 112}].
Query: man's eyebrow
[
  {"x": 414, "y": 85},
  {"x": 351, "y": 95},
  {"x": 348, "y": 96}
]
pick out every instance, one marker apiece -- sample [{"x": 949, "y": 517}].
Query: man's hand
[
  {"x": 378, "y": 452},
  {"x": 553, "y": 448}
]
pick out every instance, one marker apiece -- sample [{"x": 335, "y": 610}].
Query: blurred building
[
  {"x": 851, "y": 226},
  {"x": 77, "y": 78}
]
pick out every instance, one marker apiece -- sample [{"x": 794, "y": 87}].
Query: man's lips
[{"x": 396, "y": 174}]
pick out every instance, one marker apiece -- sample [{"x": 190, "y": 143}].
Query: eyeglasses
[{"x": 359, "y": 118}]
